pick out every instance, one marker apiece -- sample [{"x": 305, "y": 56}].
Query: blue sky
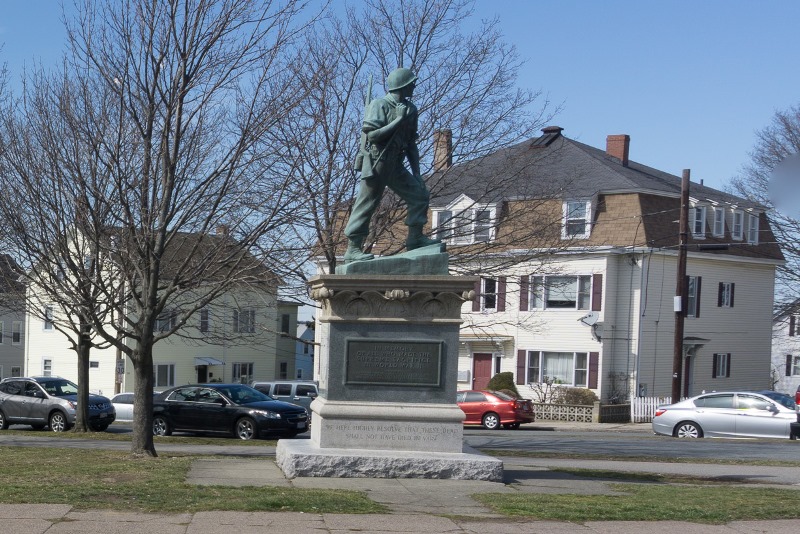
[{"x": 690, "y": 81}]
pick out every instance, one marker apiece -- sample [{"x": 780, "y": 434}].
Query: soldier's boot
[
  {"x": 416, "y": 239},
  {"x": 354, "y": 252}
]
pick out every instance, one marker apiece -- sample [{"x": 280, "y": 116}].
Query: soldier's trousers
[{"x": 411, "y": 190}]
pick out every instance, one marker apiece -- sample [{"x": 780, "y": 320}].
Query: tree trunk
[
  {"x": 142, "y": 441},
  {"x": 82, "y": 409}
]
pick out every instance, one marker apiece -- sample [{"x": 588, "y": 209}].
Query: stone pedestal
[{"x": 388, "y": 377}]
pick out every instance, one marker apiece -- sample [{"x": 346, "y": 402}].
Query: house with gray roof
[{"x": 577, "y": 252}]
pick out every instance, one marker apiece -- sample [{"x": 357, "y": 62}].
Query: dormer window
[
  {"x": 576, "y": 219},
  {"x": 697, "y": 222},
  {"x": 752, "y": 229},
  {"x": 464, "y": 227},
  {"x": 719, "y": 222},
  {"x": 737, "y": 226}
]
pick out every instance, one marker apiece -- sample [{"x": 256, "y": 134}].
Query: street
[
  {"x": 638, "y": 443},
  {"x": 632, "y": 444}
]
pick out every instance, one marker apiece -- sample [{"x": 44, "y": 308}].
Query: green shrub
[
  {"x": 504, "y": 382},
  {"x": 576, "y": 396}
]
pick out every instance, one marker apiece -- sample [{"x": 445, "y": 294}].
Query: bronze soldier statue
[{"x": 390, "y": 128}]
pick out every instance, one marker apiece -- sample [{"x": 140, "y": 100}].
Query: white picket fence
[{"x": 644, "y": 408}]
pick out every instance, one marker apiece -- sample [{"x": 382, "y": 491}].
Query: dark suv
[{"x": 49, "y": 401}]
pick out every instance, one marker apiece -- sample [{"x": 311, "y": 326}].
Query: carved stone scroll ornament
[{"x": 393, "y": 304}]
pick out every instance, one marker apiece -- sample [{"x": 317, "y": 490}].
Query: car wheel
[
  {"x": 58, "y": 422},
  {"x": 3, "y": 421},
  {"x": 161, "y": 427},
  {"x": 245, "y": 428},
  {"x": 511, "y": 426},
  {"x": 491, "y": 421},
  {"x": 687, "y": 429}
]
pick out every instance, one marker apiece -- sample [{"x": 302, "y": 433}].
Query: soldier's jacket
[{"x": 381, "y": 112}]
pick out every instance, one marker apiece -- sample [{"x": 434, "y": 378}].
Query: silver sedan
[{"x": 724, "y": 414}]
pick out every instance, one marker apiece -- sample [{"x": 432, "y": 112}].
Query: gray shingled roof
[{"x": 554, "y": 166}]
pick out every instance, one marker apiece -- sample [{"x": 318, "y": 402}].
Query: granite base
[{"x": 301, "y": 458}]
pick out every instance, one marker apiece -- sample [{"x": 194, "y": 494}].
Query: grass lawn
[
  {"x": 97, "y": 479},
  {"x": 653, "y": 502}
]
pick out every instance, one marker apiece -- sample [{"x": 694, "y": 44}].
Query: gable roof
[{"x": 554, "y": 166}]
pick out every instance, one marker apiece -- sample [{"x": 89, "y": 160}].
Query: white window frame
[
  {"x": 697, "y": 222},
  {"x": 16, "y": 371},
  {"x": 47, "y": 367},
  {"x": 579, "y": 376},
  {"x": 737, "y": 225},
  {"x": 795, "y": 366},
  {"x": 568, "y": 219},
  {"x": 170, "y": 375},
  {"x": 16, "y": 332},
  {"x": 283, "y": 373},
  {"x": 722, "y": 370},
  {"x": 691, "y": 296},
  {"x": 47, "y": 319},
  {"x": 242, "y": 372},
  {"x": 752, "y": 229},
  {"x": 727, "y": 293},
  {"x": 541, "y": 288},
  {"x": 244, "y": 326},
  {"x": 165, "y": 321},
  {"x": 465, "y": 227},
  {"x": 718, "y": 230},
  {"x": 489, "y": 294},
  {"x": 205, "y": 321}
]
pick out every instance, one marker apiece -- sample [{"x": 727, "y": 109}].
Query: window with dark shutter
[
  {"x": 789, "y": 360},
  {"x": 501, "y": 294},
  {"x": 521, "y": 365},
  {"x": 524, "y": 282},
  {"x": 594, "y": 364},
  {"x": 597, "y": 292}
]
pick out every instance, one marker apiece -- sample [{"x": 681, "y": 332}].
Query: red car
[{"x": 494, "y": 408}]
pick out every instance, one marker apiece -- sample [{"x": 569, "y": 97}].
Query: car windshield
[
  {"x": 243, "y": 394},
  {"x": 59, "y": 388}
]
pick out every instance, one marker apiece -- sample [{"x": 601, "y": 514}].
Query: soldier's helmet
[{"x": 400, "y": 78}]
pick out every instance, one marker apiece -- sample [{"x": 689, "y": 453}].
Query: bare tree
[
  {"x": 175, "y": 100},
  {"x": 779, "y": 140},
  {"x": 467, "y": 85}
]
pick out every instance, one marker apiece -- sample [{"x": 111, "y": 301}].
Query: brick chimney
[
  {"x": 442, "y": 149},
  {"x": 617, "y": 146}
]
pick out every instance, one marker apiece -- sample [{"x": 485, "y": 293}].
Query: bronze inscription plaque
[{"x": 393, "y": 362}]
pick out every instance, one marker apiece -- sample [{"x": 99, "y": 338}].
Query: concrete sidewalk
[{"x": 60, "y": 519}]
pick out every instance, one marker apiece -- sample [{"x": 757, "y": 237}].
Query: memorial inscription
[{"x": 393, "y": 362}]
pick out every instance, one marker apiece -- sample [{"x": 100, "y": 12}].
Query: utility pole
[{"x": 680, "y": 290}]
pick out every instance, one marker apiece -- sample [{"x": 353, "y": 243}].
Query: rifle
[{"x": 364, "y": 158}]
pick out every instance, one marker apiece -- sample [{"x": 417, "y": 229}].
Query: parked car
[
  {"x": 298, "y": 392},
  {"x": 123, "y": 404},
  {"x": 494, "y": 408},
  {"x": 724, "y": 414},
  {"x": 225, "y": 408},
  {"x": 797, "y": 397},
  {"x": 49, "y": 401}
]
